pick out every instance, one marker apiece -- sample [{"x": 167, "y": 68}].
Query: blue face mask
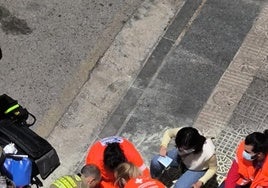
[{"x": 247, "y": 156}]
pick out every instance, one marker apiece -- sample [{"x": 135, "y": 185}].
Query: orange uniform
[
  {"x": 144, "y": 182},
  {"x": 96, "y": 156},
  {"x": 250, "y": 174}
]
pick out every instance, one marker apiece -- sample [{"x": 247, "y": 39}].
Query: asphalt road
[
  {"x": 142, "y": 86},
  {"x": 158, "y": 72},
  {"x": 70, "y": 63},
  {"x": 50, "y": 47}
]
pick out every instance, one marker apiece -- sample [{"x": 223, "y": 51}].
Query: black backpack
[
  {"x": 44, "y": 157},
  {"x": 15, "y": 128},
  {"x": 12, "y": 110}
]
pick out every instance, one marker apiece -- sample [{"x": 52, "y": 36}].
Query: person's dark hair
[
  {"x": 91, "y": 170},
  {"x": 189, "y": 138},
  {"x": 259, "y": 141},
  {"x": 113, "y": 156}
]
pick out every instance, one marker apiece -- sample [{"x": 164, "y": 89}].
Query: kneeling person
[
  {"x": 110, "y": 152},
  {"x": 129, "y": 176},
  {"x": 90, "y": 178}
]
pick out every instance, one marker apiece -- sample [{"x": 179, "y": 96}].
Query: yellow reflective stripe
[
  {"x": 12, "y": 108},
  {"x": 77, "y": 178},
  {"x": 70, "y": 181},
  {"x": 65, "y": 182},
  {"x": 58, "y": 185}
]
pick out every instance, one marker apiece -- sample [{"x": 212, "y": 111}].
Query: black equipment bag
[
  {"x": 44, "y": 157},
  {"x": 11, "y": 109}
]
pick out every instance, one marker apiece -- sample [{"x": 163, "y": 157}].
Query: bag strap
[
  {"x": 11, "y": 109},
  {"x": 36, "y": 181},
  {"x": 33, "y": 122}
]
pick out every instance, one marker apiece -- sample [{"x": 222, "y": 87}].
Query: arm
[
  {"x": 232, "y": 175},
  {"x": 212, "y": 168},
  {"x": 168, "y": 134}
]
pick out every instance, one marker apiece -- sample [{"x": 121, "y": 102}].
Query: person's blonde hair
[{"x": 124, "y": 172}]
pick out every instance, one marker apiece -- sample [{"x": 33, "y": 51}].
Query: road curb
[{"x": 108, "y": 83}]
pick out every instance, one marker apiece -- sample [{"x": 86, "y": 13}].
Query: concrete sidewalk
[
  {"x": 207, "y": 70},
  {"x": 238, "y": 105},
  {"x": 82, "y": 123}
]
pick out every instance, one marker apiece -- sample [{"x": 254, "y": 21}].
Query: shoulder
[
  {"x": 66, "y": 181},
  {"x": 209, "y": 146},
  {"x": 111, "y": 139}
]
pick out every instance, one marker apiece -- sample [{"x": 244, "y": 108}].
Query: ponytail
[{"x": 265, "y": 132}]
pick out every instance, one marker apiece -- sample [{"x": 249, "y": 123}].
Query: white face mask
[
  {"x": 185, "y": 151},
  {"x": 247, "y": 156}
]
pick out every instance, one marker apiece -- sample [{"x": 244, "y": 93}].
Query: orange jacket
[
  {"x": 95, "y": 156},
  {"x": 144, "y": 182},
  {"x": 248, "y": 172}
]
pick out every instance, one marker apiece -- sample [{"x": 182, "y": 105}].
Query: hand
[
  {"x": 163, "y": 151},
  {"x": 198, "y": 184}
]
